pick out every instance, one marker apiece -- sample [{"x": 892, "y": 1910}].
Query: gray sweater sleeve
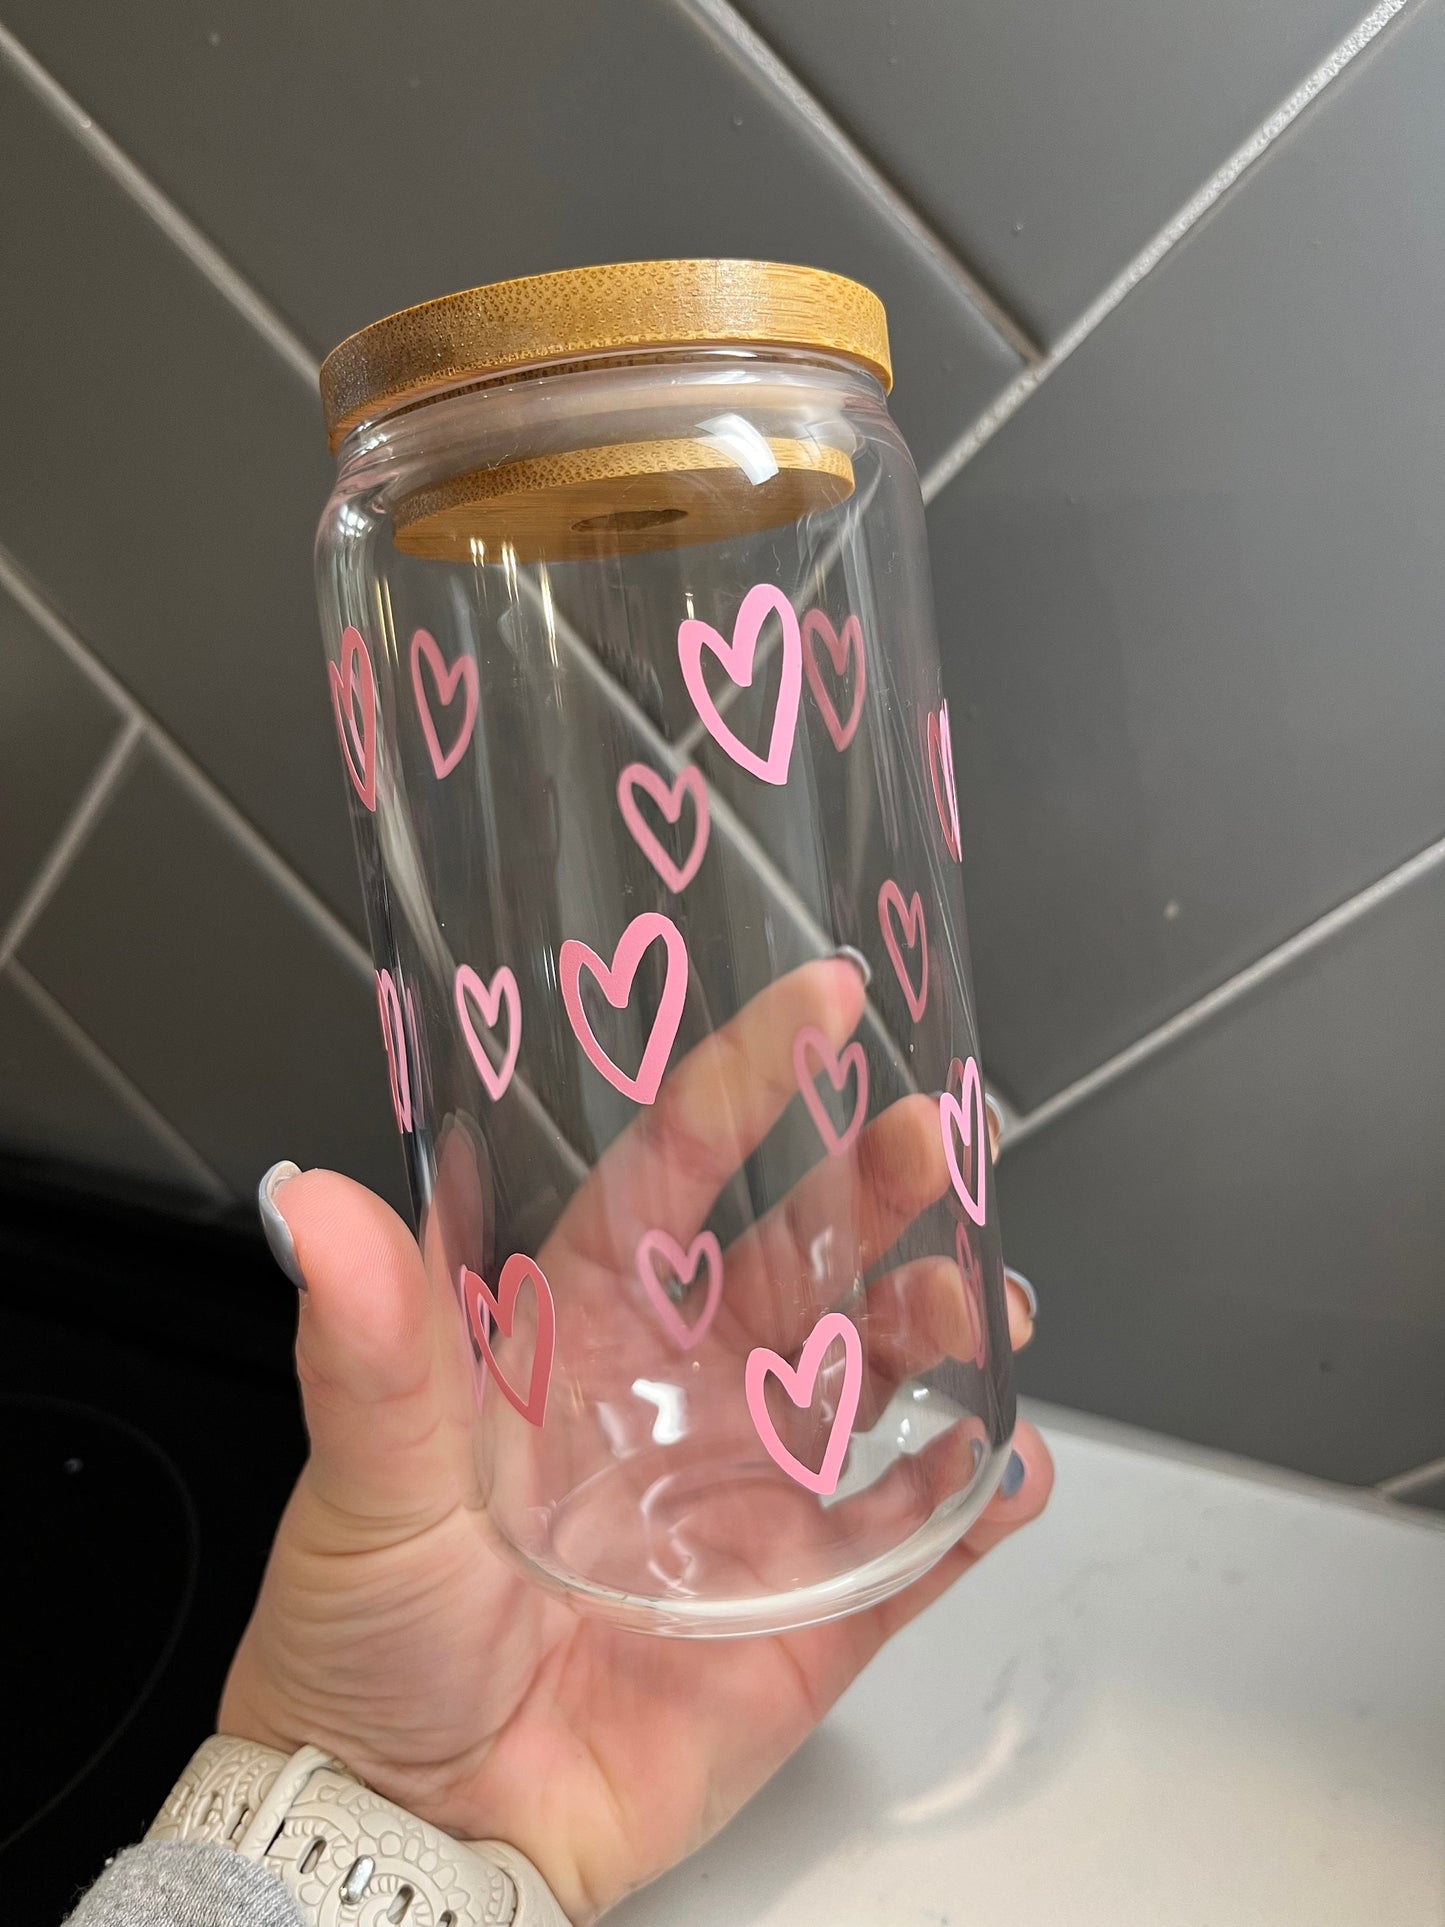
[{"x": 189, "y": 1883}]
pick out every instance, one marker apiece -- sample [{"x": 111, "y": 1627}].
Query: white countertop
[{"x": 1195, "y": 1694}]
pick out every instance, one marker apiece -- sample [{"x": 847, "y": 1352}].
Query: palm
[
  {"x": 463, "y": 1693},
  {"x": 390, "y": 1631}
]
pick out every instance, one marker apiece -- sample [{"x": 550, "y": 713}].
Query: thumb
[{"x": 383, "y": 1378}]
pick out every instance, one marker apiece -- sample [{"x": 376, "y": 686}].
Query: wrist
[
  {"x": 271, "y": 1711},
  {"x": 333, "y": 1841}
]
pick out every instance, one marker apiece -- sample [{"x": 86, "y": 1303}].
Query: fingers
[
  {"x": 904, "y": 1499},
  {"x": 838, "y": 1222},
  {"x": 829, "y": 1656},
  {"x": 373, "y": 1361},
  {"x": 835, "y": 1224},
  {"x": 1023, "y": 1308},
  {"x": 914, "y": 1318},
  {"x": 921, "y": 1314},
  {"x": 1031, "y": 1487},
  {"x": 1022, "y": 1494},
  {"x": 1022, "y": 1304},
  {"x": 914, "y": 1486},
  {"x": 995, "y": 1125},
  {"x": 666, "y": 1170}
]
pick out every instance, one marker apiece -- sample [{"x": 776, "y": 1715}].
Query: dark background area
[{"x": 149, "y": 1435}]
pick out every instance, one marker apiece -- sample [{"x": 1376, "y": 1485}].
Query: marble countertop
[{"x": 1197, "y": 1693}]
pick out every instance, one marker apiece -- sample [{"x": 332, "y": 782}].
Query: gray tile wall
[{"x": 1165, "y": 285}]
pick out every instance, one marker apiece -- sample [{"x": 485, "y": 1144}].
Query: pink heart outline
[
  {"x": 464, "y": 671},
  {"x": 358, "y": 743},
  {"x": 837, "y": 1066},
  {"x": 738, "y": 658},
  {"x": 817, "y": 628},
  {"x": 488, "y": 998},
  {"x": 393, "y": 1036},
  {"x": 891, "y": 905},
  {"x": 972, "y": 1277},
  {"x": 800, "y": 1382},
  {"x": 668, "y": 798},
  {"x": 952, "y": 1115},
  {"x": 502, "y": 1308},
  {"x": 683, "y": 1265},
  {"x": 616, "y": 983},
  {"x": 945, "y": 801}
]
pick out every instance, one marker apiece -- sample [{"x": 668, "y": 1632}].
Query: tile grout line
[
  {"x": 311, "y": 906},
  {"x": 178, "y": 228},
  {"x": 1188, "y": 217},
  {"x": 1401, "y": 1484},
  {"x": 105, "y": 1067},
  {"x": 716, "y": 16},
  {"x": 721, "y": 20},
  {"x": 84, "y": 816},
  {"x": 304, "y": 898},
  {"x": 1230, "y": 992}
]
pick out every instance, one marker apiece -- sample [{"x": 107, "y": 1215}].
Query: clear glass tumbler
[{"x": 626, "y": 607}]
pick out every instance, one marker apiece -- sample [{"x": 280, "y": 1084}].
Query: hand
[{"x": 389, "y": 1631}]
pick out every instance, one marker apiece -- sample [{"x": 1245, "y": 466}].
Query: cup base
[{"x": 682, "y": 1550}]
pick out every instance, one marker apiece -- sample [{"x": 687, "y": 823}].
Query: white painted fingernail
[
  {"x": 1031, "y": 1297},
  {"x": 858, "y": 960},
  {"x": 278, "y": 1232}
]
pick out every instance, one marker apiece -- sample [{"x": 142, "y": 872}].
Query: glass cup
[{"x": 625, "y": 598}]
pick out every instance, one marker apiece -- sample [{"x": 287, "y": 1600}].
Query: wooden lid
[
  {"x": 621, "y": 500},
  {"x": 588, "y": 312}
]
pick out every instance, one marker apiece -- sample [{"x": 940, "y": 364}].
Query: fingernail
[
  {"x": 278, "y": 1232},
  {"x": 991, "y": 1105},
  {"x": 858, "y": 960},
  {"x": 1031, "y": 1297},
  {"x": 1014, "y": 1474}
]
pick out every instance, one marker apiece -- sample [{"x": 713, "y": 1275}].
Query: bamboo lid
[
  {"x": 621, "y": 500},
  {"x": 585, "y": 312}
]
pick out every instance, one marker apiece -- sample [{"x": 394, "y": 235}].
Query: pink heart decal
[
  {"x": 355, "y": 679},
  {"x": 817, "y": 628},
  {"x": 616, "y": 985},
  {"x": 483, "y": 1308},
  {"x": 940, "y": 771},
  {"x": 972, "y": 1276},
  {"x": 393, "y": 1035},
  {"x": 668, "y": 798},
  {"x": 967, "y": 1118},
  {"x": 800, "y": 1382},
  {"x": 469, "y": 989},
  {"x": 684, "y": 1266},
  {"x": 737, "y": 658},
  {"x": 811, "y": 1042},
  {"x": 891, "y": 909},
  {"x": 464, "y": 672}
]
